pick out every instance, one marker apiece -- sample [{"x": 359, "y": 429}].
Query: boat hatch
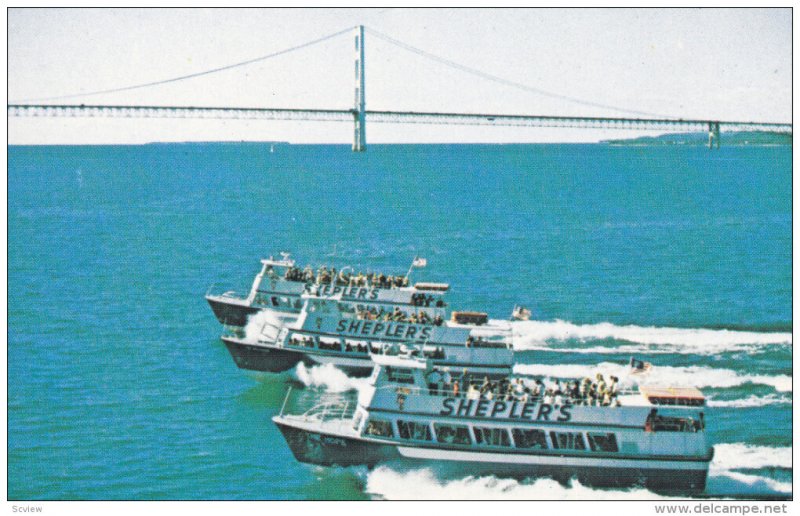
[
  {"x": 685, "y": 396},
  {"x": 470, "y": 318},
  {"x": 437, "y": 287}
]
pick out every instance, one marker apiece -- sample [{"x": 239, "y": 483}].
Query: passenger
[
  {"x": 432, "y": 379},
  {"x": 557, "y": 388},
  {"x": 438, "y": 320},
  {"x": 538, "y": 389},
  {"x": 473, "y": 393},
  {"x": 613, "y": 387},
  {"x": 518, "y": 387},
  {"x": 601, "y": 383},
  {"x": 455, "y": 389}
]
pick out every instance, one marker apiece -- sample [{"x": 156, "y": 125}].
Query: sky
[{"x": 727, "y": 64}]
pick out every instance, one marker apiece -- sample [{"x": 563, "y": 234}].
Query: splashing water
[
  {"x": 422, "y": 484},
  {"x": 328, "y": 377},
  {"x": 728, "y": 456},
  {"x": 534, "y": 335}
]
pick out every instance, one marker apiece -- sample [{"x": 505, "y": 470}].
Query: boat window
[
  {"x": 399, "y": 375},
  {"x": 274, "y": 300},
  {"x": 414, "y": 430},
  {"x": 452, "y": 434},
  {"x": 379, "y": 427},
  {"x": 301, "y": 341},
  {"x": 491, "y": 436},
  {"x": 602, "y": 442},
  {"x": 528, "y": 438},
  {"x": 356, "y": 347},
  {"x": 567, "y": 440},
  {"x": 675, "y": 424},
  {"x": 331, "y": 346}
]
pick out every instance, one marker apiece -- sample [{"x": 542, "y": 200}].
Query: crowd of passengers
[
  {"x": 584, "y": 392},
  {"x": 373, "y": 314},
  {"x": 325, "y": 276}
]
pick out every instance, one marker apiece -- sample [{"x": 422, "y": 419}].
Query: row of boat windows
[
  {"x": 380, "y": 311},
  {"x": 278, "y": 301},
  {"x": 526, "y": 438},
  {"x": 358, "y": 347}
]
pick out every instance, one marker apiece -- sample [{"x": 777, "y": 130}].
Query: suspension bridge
[{"x": 358, "y": 115}]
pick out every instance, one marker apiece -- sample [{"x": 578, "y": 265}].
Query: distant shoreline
[{"x": 737, "y": 138}]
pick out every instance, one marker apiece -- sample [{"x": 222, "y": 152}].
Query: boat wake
[
  {"x": 724, "y": 481},
  {"x": 696, "y": 376},
  {"x": 551, "y": 336},
  {"x": 750, "y": 401},
  {"x": 729, "y": 456},
  {"x": 423, "y": 484},
  {"x": 725, "y": 477}
]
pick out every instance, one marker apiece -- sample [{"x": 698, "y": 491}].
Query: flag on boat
[
  {"x": 419, "y": 262},
  {"x": 640, "y": 366}
]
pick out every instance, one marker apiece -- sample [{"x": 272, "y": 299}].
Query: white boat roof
[
  {"x": 285, "y": 262},
  {"x": 438, "y": 287}
]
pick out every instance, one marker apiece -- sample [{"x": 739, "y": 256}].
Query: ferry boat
[
  {"x": 654, "y": 437},
  {"x": 280, "y": 284},
  {"x": 331, "y": 332}
]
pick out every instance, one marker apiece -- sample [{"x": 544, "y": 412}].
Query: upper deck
[{"x": 441, "y": 392}]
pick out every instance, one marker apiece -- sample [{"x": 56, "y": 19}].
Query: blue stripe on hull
[{"x": 333, "y": 450}]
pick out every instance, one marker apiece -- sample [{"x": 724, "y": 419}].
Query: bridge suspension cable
[
  {"x": 191, "y": 75},
  {"x": 506, "y": 82}
]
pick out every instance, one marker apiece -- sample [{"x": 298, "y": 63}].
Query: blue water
[{"x": 118, "y": 387}]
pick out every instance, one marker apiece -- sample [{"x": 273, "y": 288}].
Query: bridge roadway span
[{"x": 348, "y": 115}]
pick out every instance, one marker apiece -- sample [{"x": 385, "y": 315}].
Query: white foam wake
[
  {"x": 728, "y": 456},
  {"x": 732, "y": 483},
  {"x": 750, "y": 401},
  {"x": 262, "y": 325},
  {"x": 537, "y": 334},
  {"x": 422, "y": 484},
  {"x": 692, "y": 376},
  {"x": 328, "y": 377}
]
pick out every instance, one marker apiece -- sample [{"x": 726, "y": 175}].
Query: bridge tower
[
  {"x": 359, "y": 115},
  {"x": 713, "y": 134}
]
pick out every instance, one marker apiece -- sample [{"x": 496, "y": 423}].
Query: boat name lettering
[
  {"x": 354, "y": 292},
  {"x": 462, "y": 407},
  {"x": 383, "y": 329}
]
